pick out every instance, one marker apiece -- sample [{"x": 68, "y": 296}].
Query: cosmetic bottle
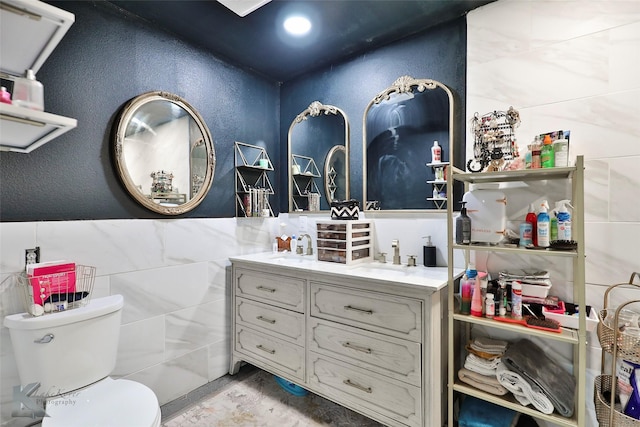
[
  {"x": 516, "y": 299},
  {"x": 429, "y": 253},
  {"x": 463, "y": 226},
  {"x": 436, "y": 153},
  {"x": 561, "y": 151},
  {"x": 544, "y": 225},
  {"x": 490, "y": 306},
  {"x": 28, "y": 92},
  {"x": 502, "y": 299},
  {"x": 564, "y": 221},
  {"x": 535, "y": 153},
  {"x": 476, "y": 299},
  {"x": 465, "y": 295},
  {"x": 546, "y": 154},
  {"x": 5, "y": 96},
  {"x": 533, "y": 220}
]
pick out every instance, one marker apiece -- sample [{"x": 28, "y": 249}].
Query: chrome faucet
[
  {"x": 395, "y": 244},
  {"x": 309, "y": 247}
]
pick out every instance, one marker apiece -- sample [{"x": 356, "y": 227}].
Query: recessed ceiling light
[{"x": 297, "y": 25}]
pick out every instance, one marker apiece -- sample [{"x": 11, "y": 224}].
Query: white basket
[{"x": 51, "y": 293}]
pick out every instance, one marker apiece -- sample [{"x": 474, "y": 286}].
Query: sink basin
[{"x": 289, "y": 258}]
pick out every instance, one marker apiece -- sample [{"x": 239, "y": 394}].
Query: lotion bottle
[
  {"x": 544, "y": 226},
  {"x": 436, "y": 153},
  {"x": 561, "y": 151},
  {"x": 463, "y": 226},
  {"x": 28, "y": 92}
]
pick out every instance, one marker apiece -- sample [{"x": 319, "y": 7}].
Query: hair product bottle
[
  {"x": 436, "y": 153},
  {"x": 465, "y": 295},
  {"x": 544, "y": 225},
  {"x": 476, "y": 300},
  {"x": 532, "y": 219}
]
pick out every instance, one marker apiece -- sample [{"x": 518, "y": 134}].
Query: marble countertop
[{"x": 434, "y": 278}]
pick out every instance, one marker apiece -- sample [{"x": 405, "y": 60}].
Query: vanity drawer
[
  {"x": 288, "y": 324},
  {"x": 275, "y": 352},
  {"x": 384, "y": 313},
  {"x": 397, "y": 358},
  {"x": 343, "y": 382},
  {"x": 282, "y": 291}
]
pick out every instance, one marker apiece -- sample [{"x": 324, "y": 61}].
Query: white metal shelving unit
[{"x": 576, "y": 338}]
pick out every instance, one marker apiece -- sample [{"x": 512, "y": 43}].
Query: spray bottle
[
  {"x": 564, "y": 220},
  {"x": 465, "y": 295},
  {"x": 533, "y": 220},
  {"x": 476, "y": 299},
  {"x": 544, "y": 225}
]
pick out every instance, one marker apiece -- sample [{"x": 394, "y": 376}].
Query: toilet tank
[{"x": 67, "y": 350}]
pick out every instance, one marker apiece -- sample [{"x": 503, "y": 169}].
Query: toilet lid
[{"x": 109, "y": 402}]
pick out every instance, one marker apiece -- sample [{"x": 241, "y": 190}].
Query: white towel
[
  {"x": 481, "y": 366},
  {"x": 522, "y": 391}
]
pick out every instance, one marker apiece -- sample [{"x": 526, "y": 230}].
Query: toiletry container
[
  {"x": 535, "y": 153},
  {"x": 561, "y": 151},
  {"x": 486, "y": 207},
  {"x": 564, "y": 221},
  {"x": 463, "y": 226},
  {"x": 532, "y": 219},
  {"x": 544, "y": 226},
  {"x": 476, "y": 299},
  {"x": 71, "y": 354},
  {"x": 546, "y": 153},
  {"x": 516, "y": 299},
  {"x": 28, "y": 92},
  {"x": 490, "y": 306},
  {"x": 436, "y": 153},
  {"x": 465, "y": 294},
  {"x": 5, "y": 96},
  {"x": 429, "y": 253}
]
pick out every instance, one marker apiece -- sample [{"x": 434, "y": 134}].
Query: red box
[{"x": 52, "y": 278}]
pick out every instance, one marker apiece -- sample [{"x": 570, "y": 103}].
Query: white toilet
[{"x": 71, "y": 354}]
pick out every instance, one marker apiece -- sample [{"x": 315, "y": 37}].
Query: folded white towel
[
  {"x": 522, "y": 391},
  {"x": 481, "y": 366}
]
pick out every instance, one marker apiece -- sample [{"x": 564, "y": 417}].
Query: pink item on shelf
[
  {"x": 5, "y": 96},
  {"x": 51, "y": 278}
]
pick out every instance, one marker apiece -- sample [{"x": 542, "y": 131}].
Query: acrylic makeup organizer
[
  {"x": 77, "y": 290},
  {"x": 618, "y": 345}
]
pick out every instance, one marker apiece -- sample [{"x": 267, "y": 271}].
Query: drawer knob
[
  {"x": 265, "y": 289},
  {"x": 359, "y": 310},
  {"x": 358, "y": 386},
  {"x": 357, "y": 347},
  {"x": 264, "y": 319},
  {"x": 266, "y": 350}
]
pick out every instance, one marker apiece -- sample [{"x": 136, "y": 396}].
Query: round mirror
[{"x": 164, "y": 153}]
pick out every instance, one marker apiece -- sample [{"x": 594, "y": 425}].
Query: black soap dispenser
[
  {"x": 463, "y": 226},
  {"x": 429, "y": 253}
]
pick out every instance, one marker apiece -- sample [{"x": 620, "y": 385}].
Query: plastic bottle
[
  {"x": 564, "y": 221},
  {"x": 5, "y": 96},
  {"x": 28, "y": 92},
  {"x": 490, "y": 306},
  {"x": 546, "y": 154},
  {"x": 465, "y": 295},
  {"x": 561, "y": 151},
  {"x": 544, "y": 225},
  {"x": 476, "y": 299},
  {"x": 527, "y": 157},
  {"x": 436, "y": 153},
  {"x": 553, "y": 226},
  {"x": 293, "y": 243},
  {"x": 502, "y": 300},
  {"x": 463, "y": 226},
  {"x": 516, "y": 299},
  {"x": 532, "y": 219},
  {"x": 535, "y": 153},
  {"x": 429, "y": 253}
]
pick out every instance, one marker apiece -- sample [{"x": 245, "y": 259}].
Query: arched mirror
[
  {"x": 400, "y": 125},
  {"x": 313, "y": 137},
  {"x": 164, "y": 153}
]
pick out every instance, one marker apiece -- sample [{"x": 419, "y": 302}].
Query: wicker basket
[
  {"x": 57, "y": 300},
  {"x": 628, "y": 347},
  {"x": 603, "y": 408}
]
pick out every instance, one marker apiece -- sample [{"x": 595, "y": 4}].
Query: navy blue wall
[
  {"x": 106, "y": 59},
  {"x": 438, "y": 53}
]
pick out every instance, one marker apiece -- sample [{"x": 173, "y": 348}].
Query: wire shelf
[{"x": 54, "y": 292}]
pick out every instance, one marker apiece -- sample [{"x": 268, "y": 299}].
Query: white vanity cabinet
[{"x": 366, "y": 338}]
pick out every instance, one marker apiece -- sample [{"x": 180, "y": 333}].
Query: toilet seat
[{"x": 107, "y": 403}]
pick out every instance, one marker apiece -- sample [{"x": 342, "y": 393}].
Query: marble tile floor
[{"x": 252, "y": 398}]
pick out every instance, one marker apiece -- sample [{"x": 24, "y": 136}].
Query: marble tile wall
[{"x": 572, "y": 65}]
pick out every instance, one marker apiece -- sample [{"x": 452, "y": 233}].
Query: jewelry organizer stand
[
  {"x": 494, "y": 140},
  {"x": 618, "y": 345}
]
